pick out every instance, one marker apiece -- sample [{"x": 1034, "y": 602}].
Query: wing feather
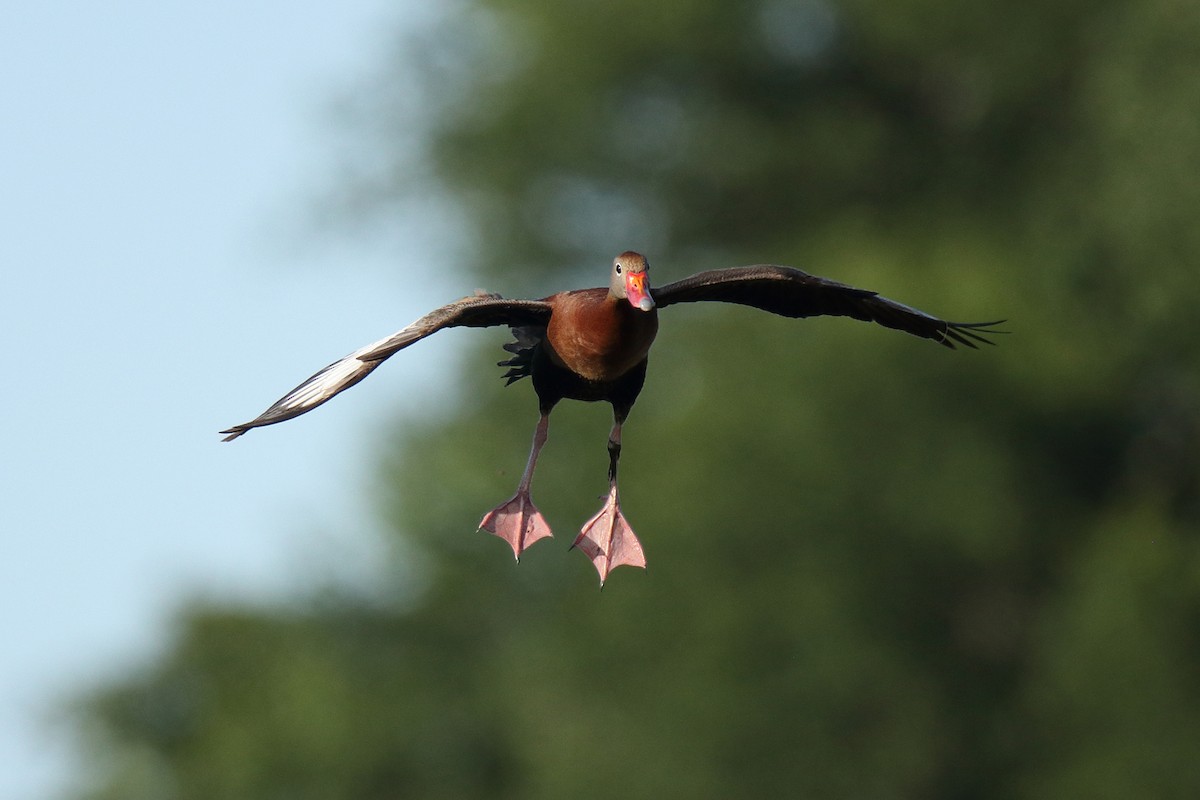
[
  {"x": 791, "y": 292},
  {"x": 477, "y": 311}
]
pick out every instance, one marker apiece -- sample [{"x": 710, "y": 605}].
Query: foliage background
[{"x": 877, "y": 568}]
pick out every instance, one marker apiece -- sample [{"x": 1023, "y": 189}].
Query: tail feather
[{"x": 526, "y": 340}]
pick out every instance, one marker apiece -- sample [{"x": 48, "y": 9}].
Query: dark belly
[{"x": 553, "y": 383}]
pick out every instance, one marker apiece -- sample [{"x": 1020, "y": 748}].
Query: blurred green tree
[{"x": 877, "y": 569}]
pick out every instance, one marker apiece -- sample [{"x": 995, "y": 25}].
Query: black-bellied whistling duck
[{"x": 592, "y": 344}]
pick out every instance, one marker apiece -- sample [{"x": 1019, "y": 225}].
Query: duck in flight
[{"x": 592, "y": 345}]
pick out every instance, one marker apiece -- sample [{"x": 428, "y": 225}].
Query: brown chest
[{"x": 597, "y": 336}]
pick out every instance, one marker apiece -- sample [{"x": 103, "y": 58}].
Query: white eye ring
[{"x": 618, "y": 269}]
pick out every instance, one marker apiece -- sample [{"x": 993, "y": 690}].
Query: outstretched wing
[
  {"x": 791, "y": 292},
  {"x": 478, "y": 311}
]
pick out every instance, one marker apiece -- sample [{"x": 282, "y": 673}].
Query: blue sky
[{"x": 162, "y": 279}]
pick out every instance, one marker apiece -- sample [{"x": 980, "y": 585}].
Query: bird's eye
[{"x": 618, "y": 269}]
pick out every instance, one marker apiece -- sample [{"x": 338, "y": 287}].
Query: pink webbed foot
[
  {"x": 517, "y": 522},
  {"x": 608, "y": 540}
]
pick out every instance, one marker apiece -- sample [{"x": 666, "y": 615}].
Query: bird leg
[
  {"x": 607, "y": 538},
  {"x": 518, "y": 521}
]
